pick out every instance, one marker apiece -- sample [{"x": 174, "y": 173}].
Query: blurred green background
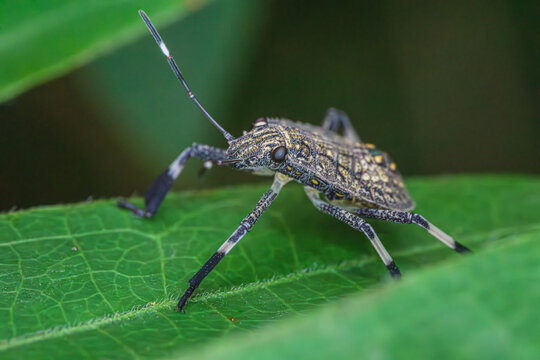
[{"x": 444, "y": 87}]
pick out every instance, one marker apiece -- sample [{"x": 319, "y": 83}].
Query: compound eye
[
  {"x": 260, "y": 122},
  {"x": 279, "y": 153}
]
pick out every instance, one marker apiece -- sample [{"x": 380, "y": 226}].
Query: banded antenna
[{"x": 174, "y": 67}]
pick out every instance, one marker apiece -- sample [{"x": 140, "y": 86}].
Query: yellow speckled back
[{"x": 340, "y": 168}]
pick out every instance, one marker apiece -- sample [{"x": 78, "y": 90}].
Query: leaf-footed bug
[{"x": 342, "y": 176}]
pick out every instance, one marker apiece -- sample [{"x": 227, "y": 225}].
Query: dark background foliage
[{"x": 444, "y": 87}]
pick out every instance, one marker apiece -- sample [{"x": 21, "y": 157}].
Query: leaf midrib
[{"x": 161, "y": 304}]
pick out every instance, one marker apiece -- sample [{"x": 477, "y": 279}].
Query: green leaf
[
  {"x": 91, "y": 280},
  {"x": 456, "y": 311},
  {"x": 44, "y": 39},
  {"x": 212, "y": 47}
]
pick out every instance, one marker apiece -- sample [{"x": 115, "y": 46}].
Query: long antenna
[{"x": 171, "y": 61}]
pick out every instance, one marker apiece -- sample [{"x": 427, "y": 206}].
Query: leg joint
[
  {"x": 368, "y": 230},
  {"x": 420, "y": 221}
]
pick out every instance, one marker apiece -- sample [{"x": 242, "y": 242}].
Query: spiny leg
[
  {"x": 404, "y": 217},
  {"x": 336, "y": 119},
  {"x": 160, "y": 187},
  {"x": 245, "y": 226},
  {"x": 356, "y": 223}
]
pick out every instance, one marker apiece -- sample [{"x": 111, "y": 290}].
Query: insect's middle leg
[
  {"x": 162, "y": 184},
  {"x": 356, "y": 223},
  {"x": 336, "y": 119},
  {"x": 404, "y": 217},
  {"x": 243, "y": 229}
]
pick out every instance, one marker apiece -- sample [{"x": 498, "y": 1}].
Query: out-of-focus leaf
[
  {"x": 40, "y": 40},
  {"x": 148, "y": 110},
  {"x": 91, "y": 280}
]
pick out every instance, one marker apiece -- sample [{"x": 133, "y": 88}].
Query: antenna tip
[{"x": 144, "y": 16}]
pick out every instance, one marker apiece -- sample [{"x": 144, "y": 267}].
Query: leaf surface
[
  {"x": 74, "y": 276},
  {"x": 485, "y": 307}
]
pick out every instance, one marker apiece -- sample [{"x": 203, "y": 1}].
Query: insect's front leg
[
  {"x": 356, "y": 223},
  {"x": 336, "y": 119},
  {"x": 404, "y": 217},
  {"x": 245, "y": 226},
  {"x": 162, "y": 184}
]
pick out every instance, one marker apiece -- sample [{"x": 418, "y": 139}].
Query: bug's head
[{"x": 260, "y": 149}]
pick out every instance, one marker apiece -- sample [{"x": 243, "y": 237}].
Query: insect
[{"x": 342, "y": 176}]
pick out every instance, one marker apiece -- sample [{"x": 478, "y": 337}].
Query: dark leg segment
[
  {"x": 336, "y": 119},
  {"x": 356, "y": 223},
  {"x": 404, "y": 217},
  {"x": 245, "y": 226},
  {"x": 162, "y": 184}
]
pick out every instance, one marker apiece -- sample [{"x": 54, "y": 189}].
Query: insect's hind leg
[
  {"x": 159, "y": 188},
  {"x": 336, "y": 119},
  {"x": 356, "y": 223},
  {"x": 404, "y": 217}
]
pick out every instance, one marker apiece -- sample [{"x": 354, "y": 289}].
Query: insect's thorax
[{"x": 341, "y": 169}]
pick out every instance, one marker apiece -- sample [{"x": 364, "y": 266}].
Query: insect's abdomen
[
  {"x": 346, "y": 171},
  {"x": 380, "y": 182}
]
